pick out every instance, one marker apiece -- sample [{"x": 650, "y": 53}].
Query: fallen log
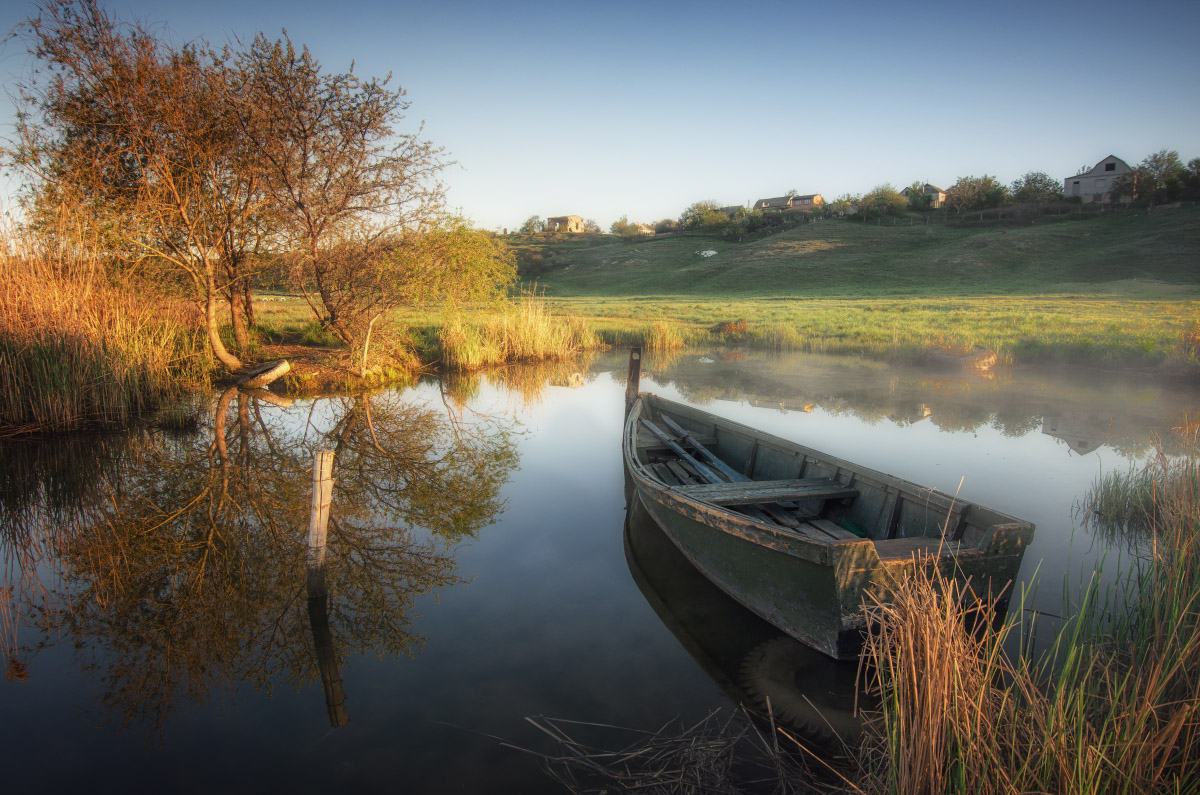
[{"x": 262, "y": 374}]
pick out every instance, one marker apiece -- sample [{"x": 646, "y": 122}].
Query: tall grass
[
  {"x": 525, "y": 331},
  {"x": 1113, "y": 706},
  {"x": 75, "y": 350}
]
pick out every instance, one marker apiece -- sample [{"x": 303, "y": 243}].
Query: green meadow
[{"x": 1118, "y": 289}]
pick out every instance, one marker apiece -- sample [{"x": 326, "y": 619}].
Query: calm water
[{"x": 158, "y": 633}]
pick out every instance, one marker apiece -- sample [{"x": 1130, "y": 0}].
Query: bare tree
[
  {"x": 139, "y": 136},
  {"x": 340, "y": 178}
]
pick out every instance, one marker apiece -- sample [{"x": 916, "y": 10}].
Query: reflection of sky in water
[{"x": 549, "y": 620}]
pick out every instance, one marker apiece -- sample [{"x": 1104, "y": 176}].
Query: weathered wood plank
[
  {"x": 708, "y": 456},
  {"x": 759, "y": 491},
  {"x": 905, "y": 548},
  {"x": 832, "y": 529},
  {"x": 665, "y": 474},
  {"x": 705, "y": 472},
  {"x": 681, "y": 473}
]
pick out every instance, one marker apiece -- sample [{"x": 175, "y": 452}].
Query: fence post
[
  {"x": 635, "y": 376},
  {"x": 318, "y": 521}
]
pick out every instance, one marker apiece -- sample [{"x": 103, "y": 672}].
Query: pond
[{"x": 159, "y": 632}]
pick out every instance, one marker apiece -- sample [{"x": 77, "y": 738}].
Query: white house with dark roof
[
  {"x": 780, "y": 203},
  {"x": 1094, "y": 185}
]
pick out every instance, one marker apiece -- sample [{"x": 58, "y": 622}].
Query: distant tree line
[{"x": 1161, "y": 177}]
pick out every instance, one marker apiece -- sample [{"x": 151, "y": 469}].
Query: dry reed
[
  {"x": 662, "y": 336},
  {"x": 1113, "y": 706},
  {"x": 525, "y": 331},
  {"x": 76, "y": 350}
]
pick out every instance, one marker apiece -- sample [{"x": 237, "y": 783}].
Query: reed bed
[
  {"x": 662, "y": 336},
  {"x": 525, "y": 331},
  {"x": 1112, "y": 707},
  {"x": 77, "y": 351}
]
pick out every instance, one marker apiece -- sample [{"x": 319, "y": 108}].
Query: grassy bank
[
  {"x": 1114, "y": 706},
  {"x": 1112, "y": 330},
  {"x": 76, "y": 351}
]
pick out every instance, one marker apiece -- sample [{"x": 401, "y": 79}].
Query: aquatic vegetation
[
  {"x": 1112, "y": 706},
  {"x": 76, "y": 350},
  {"x": 663, "y": 336},
  {"x": 524, "y": 331}
]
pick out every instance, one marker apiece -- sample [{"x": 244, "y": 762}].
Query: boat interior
[{"x": 798, "y": 490}]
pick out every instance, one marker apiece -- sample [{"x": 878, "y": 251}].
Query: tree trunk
[
  {"x": 214, "y": 327},
  {"x": 237, "y": 318},
  {"x": 248, "y": 303}
]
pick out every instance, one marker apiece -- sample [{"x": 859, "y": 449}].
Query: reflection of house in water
[
  {"x": 1083, "y": 434},
  {"x": 910, "y": 413},
  {"x": 784, "y": 405}
]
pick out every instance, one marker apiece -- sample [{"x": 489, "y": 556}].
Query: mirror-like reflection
[
  {"x": 753, "y": 663},
  {"x": 177, "y": 565},
  {"x": 1084, "y": 410},
  {"x": 158, "y": 579}
]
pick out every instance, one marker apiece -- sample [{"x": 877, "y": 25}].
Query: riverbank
[
  {"x": 1115, "y": 293},
  {"x": 1110, "y": 329}
]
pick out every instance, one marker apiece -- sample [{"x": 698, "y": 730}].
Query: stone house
[
  {"x": 937, "y": 196},
  {"x": 805, "y": 203},
  {"x": 1095, "y": 185},
  {"x": 565, "y": 223}
]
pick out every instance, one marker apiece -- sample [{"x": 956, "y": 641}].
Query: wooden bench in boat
[
  {"x": 905, "y": 548},
  {"x": 760, "y": 491}
]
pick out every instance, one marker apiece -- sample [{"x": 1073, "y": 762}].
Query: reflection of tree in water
[
  {"x": 526, "y": 381},
  {"x": 183, "y": 567}
]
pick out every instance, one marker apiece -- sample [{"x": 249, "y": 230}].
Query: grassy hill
[{"x": 1131, "y": 253}]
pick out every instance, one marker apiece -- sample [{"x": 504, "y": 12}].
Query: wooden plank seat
[
  {"x": 905, "y": 548},
  {"x": 759, "y": 491}
]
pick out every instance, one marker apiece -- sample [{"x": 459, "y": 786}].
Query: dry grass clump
[
  {"x": 75, "y": 350},
  {"x": 736, "y": 328},
  {"x": 1113, "y": 706},
  {"x": 662, "y": 336},
  {"x": 524, "y": 332}
]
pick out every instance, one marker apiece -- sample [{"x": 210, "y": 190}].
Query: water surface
[{"x": 159, "y": 632}]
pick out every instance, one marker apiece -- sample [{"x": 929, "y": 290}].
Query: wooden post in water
[
  {"x": 318, "y": 593},
  {"x": 327, "y": 661},
  {"x": 318, "y": 521},
  {"x": 635, "y": 376}
]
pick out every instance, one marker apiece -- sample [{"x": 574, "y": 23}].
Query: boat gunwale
[{"x": 785, "y": 539}]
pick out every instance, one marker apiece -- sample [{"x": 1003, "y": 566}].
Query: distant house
[
  {"x": 565, "y": 223},
  {"x": 780, "y": 203},
  {"x": 731, "y": 210},
  {"x": 644, "y": 229},
  {"x": 937, "y": 196},
  {"x": 1095, "y": 185}
]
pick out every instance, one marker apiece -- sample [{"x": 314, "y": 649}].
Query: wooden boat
[{"x": 800, "y": 537}]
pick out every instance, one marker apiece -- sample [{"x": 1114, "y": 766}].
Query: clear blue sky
[{"x": 640, "y": 109}]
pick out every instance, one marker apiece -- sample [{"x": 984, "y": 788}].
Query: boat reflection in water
[{"x": 751, "y": 661}]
